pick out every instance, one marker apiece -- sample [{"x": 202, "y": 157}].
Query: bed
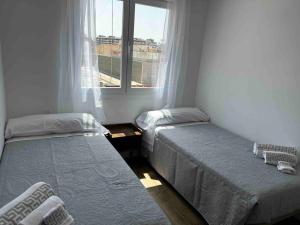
[
  {"x": 86, "y": 172},
  {"x": 216, "y": 172}
]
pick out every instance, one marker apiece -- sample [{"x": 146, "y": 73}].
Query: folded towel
[
  {"x": 36, "y": 216},
  {"x": 58, "y": 216},
  {"x": 272, "y": 157},
  {"x": 258, "y": 149},
  {"x": 20, "y": 207},
  {"x": 286, "y": 167}
]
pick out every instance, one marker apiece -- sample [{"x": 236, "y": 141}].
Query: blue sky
[{"x": 149, "y": 22}]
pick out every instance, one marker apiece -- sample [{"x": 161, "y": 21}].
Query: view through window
[
  {"x": 147, "y": 45},
  {"x": 109, "y": 22},
  {"x": 147, "y": 39}
]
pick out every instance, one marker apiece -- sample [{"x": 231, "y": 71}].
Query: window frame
[{"x": 127, "y": 49}]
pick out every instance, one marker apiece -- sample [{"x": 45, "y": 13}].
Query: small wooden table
[{"x": 125, "y": 137}]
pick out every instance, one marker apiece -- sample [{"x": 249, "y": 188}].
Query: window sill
[{"x": 132, "y": 93}]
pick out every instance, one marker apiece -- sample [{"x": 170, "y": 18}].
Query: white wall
[
  {"x": 196, "y": 30},
  {"x": 2, "y": 106},
  {"x": 30, "y": 40},
  {"x": 125, "y": 108},
  {"x": 250, "y": 69}
]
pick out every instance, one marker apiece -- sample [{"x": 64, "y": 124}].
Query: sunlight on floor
[{"x": 148, "y": 182}]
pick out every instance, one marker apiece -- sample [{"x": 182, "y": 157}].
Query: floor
[{"x": 175, "y": 207}]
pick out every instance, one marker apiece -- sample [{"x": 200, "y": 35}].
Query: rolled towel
[
  {"x": 286, "y": 167},
  {"x": 58, "y": 216},
  {"x": 24, "y": 204},
  {"x": 272, "y": 157},
  {"x": 258, "y": 149},
  {"x": 36, "y": 216}
]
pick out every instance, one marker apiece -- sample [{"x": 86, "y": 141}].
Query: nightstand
[{"x": 126, "y": 138}]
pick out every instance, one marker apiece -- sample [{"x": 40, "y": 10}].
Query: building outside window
[{"x": 129, "y": 43}]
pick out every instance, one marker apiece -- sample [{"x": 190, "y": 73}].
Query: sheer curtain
[
  {"x": 79, "y": 89},
  {"x": 173, "y": 60}
]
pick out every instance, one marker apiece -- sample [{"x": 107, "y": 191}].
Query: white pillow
[
  {"x": 36, "y": 125},
  {"x": 151, "y": 119}
]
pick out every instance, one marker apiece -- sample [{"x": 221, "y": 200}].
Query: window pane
[
  {"x": 147, "y": 45},
  {"x": 109, "y": 15}
]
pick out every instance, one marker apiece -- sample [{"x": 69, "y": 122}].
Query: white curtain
[
  {"x": 172, "y": 69},
  {"x": 79, "y": 89}
]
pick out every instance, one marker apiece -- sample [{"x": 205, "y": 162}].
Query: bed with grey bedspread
[
  {"x": 216, "y": 171},
  {"x": 95, "y": 183}
]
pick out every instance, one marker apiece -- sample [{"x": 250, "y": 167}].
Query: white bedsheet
[
  {"x": 52, "y": 136},
  {"x": 150, "y": 134}
]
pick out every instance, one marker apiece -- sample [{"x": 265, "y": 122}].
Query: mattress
[
  {"x": 87, "y": 173},
  {"x": 216, "y": 171}
]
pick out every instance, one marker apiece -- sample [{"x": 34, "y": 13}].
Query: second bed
[{"x": 216, "y": 172}]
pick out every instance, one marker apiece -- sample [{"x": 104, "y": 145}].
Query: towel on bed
[
  {"x": 58, "y": 216},
  {"x": 36, "y": 216},
  {"x": 258, "y": 149},
  {"x": 20, "y": 207},
  {"x": 286, "y": 167},
  {"x": 272, "y": 157}
]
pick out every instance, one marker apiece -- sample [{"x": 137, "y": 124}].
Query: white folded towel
[
  {"x": 58, "y": 216},
  {"x": 36, "y": 216},
  {"x": 16, "y": 210},
  {"x": 286, "y": 167},
  {"x": 258, "y": 149},
  {"x": 273, "y": 157}
]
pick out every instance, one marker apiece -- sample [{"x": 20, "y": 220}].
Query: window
[
  {"x": 109, "y": 25},
  {"x": 147, "y": 45},
  {"x": 129, "y": 42}
]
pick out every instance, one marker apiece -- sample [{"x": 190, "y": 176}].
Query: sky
[{"x": 149, "y": 21}]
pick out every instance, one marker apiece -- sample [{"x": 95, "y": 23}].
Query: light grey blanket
[
  {"x": 87, "y": 173},
  {"x": 216, "y": 171}
]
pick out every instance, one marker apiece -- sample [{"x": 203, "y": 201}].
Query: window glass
[
  {"x": 149, "y": 22},
  {"x": 109, "y": 19}
]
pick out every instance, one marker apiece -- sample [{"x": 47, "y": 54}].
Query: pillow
[
  {"x": 16, "y": 210},
  {"x": 170, "y": 116},
  {"x": 36, "y": 125}
]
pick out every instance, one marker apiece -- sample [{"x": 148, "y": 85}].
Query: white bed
[
  {"x": 216, "y": 172},
  {"x": 85, "y": 171}
]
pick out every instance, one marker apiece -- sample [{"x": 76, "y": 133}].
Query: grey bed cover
[
  {"x": 87, "y": 173},
  {"x": 216, "y": 171}
]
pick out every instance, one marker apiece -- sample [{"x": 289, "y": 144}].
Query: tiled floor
[{"x": 174, "y": 206}]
